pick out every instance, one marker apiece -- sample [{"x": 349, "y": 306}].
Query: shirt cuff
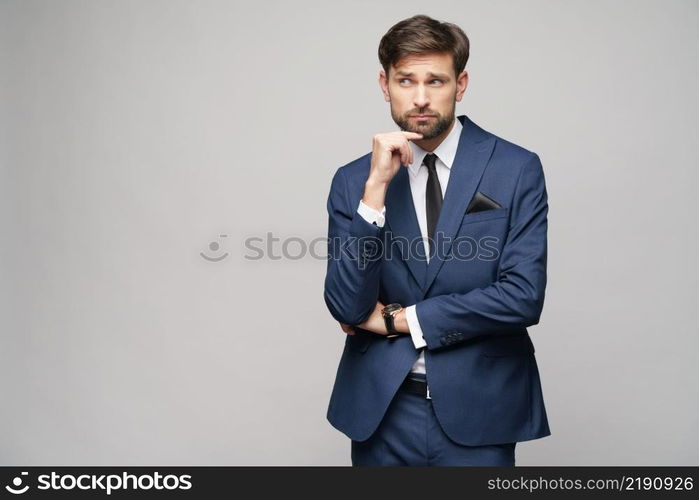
[
  {"x": 414, "y": 326},
  {"x": 371, "y": 215}
]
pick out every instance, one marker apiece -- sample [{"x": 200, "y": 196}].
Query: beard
[{"x": 429, "y": 129}]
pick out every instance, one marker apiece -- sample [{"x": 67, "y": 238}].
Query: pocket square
[{"x": 481, "y": 202}]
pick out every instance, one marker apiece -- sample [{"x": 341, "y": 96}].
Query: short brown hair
[{"x": 420, "y": 34}]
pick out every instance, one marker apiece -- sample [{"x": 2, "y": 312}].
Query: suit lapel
[
  {"x": 402, "y": 220},
  {"x": 472, "y": 155}
]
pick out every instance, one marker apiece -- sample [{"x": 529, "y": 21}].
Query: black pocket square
[{"x": 481, "y": 202}]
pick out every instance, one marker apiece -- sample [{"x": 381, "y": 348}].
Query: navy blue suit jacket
[{"x": 474, "y": 299}]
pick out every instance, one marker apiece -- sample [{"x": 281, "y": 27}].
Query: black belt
[{"x": 416, "y": 386}]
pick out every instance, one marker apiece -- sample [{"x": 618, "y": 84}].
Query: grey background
[{"x": 134, "y": 133}]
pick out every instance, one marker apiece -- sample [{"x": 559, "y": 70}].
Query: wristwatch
[{"x": 388, "y": 313}]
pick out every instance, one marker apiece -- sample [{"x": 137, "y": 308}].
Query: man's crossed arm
[{"x": 514, "y": 301}]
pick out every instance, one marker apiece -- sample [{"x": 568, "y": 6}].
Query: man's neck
[{"x": 430, "y": 145}]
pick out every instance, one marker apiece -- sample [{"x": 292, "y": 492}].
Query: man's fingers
[
  {"x": 408, "y": 153},
  {"x": 348, "y": 329},
  {"x": 411, "y": 135},
  {"x": 397, "y": 143},
  {"x": 409, "y": 150}
]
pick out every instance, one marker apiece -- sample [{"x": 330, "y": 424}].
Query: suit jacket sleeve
[
  {"x": 516, "y": 299},
  {"x": 355, "y": 249}
]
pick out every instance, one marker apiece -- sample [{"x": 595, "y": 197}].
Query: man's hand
[
  {"x": 348, "y": 329},
  {"x": 375, "y": 322},
  {"x": 389, "y": 150}
]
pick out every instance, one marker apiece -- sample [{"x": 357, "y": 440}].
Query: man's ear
[
  {"x": 383, "y": 82},
  {"x": 461, "y": 84}
]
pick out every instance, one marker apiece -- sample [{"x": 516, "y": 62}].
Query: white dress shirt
[{"x": 446, "y": 151}]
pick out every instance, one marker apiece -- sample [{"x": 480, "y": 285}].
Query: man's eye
[{"x": 408, "y": 80}]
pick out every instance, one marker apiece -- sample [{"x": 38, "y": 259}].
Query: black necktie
[{"x": 433, "y": 196}]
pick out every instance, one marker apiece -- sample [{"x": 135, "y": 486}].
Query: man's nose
[{"x": 421, "y": 99}]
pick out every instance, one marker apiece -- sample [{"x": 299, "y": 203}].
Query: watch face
[{"x": 391, "y": 308}]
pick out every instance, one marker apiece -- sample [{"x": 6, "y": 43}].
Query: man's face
[{"x": 424, "y": 85}]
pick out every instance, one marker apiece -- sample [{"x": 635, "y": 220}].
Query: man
[{"x": 436, "y": 267}]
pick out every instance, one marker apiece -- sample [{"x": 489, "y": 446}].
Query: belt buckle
[{"x": 428, "y": 392}]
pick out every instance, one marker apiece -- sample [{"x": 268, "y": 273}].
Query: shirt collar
[{"x": 446, "y": 151}]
